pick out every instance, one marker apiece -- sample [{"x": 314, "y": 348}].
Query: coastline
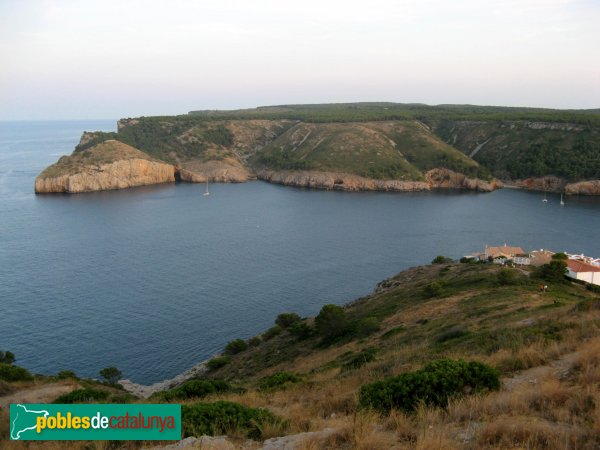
[{"x": 145, "y": 391}]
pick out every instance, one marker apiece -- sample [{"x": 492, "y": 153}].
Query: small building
[
  {"x": 503, "y": 253},
  {"x": 582, "y": 271}
]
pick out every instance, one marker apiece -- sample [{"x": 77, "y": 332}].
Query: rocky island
[{"x": 352, "y": 147}]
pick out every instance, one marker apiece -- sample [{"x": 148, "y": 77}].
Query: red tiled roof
[{"x": 579, "y": 266}]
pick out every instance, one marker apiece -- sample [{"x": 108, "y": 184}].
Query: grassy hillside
[
  {"x": 309, "y": 376},
  {"x": 383, "y": 150},
  {"x": 521, "y": 149}
]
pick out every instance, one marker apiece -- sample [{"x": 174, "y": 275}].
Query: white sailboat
[
  {"x": 562, "y": 202},
  {"x": 545, "y": 199},
  {"x": 206, "y": 192}
]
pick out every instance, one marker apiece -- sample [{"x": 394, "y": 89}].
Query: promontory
[{"x": 354, "y": 146}]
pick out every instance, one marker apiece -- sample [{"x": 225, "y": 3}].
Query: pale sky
[{"x": 82, "y": 59}]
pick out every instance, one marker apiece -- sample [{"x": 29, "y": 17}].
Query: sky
[{"x": 74, "y": 59}]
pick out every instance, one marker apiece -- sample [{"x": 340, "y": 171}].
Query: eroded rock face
[
  {"x": 549, "y": 184},
  {"x": 215, "y": 171},
  {"x": 447, "y": 179},
  {"x": 116, "y": 175},
  {"x": 338, "y": 181},
  {"x": 583, "y": 188}
]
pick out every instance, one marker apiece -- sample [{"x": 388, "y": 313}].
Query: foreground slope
[{"x": 545, "y": 345}]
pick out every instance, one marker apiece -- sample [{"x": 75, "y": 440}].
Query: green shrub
[
  {"x": 222, "y": 417},
  {"x": 367, "y": 326},
  {"x": 195, "y": 388},
  {"x": 14, "y": 373},
  {"x": 7, "y": 357},
  {"x": 433, "y": 289},
  {"x": 111, "y": 374},
  {"x": 364, "y": 357},
  {"x": 301, "y": 330},
  {"x": 331, "y": 322},
  {"x": 432, "y": 385},
  {"x": 285, "y": 320},
  {"x": 278, "y": 380},
  {"x": 441, "y": 260},
  {"x": 506, "y": 277},
  {"x": 271, "y": 332},
  {"x": 554, "y": 271},
  {"x": 560, "y": 256},
  {"x": 85, "y": 395},
  {"x": 453, "y": 332},
  {"x": 254, "y": 341},
  {"x": 217, "y": 362},
  {"x": 236, "y": 346},
  {"x": 64, "y": 374}
]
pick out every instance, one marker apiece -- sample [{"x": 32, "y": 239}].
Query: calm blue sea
[{"x": 156, "y": 279}]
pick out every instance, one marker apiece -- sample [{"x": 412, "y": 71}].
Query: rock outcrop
[
  {"x": 215, "y": 171},
  {"x": 583, "y": 188},
  {"x": 109, "y": 165},
  {"x": 549, "y": 184},
  {"x": 447, "y": 179},
  {"x": 338, "y": 181}
]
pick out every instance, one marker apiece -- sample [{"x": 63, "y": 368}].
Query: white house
[{"x": 582, "y": 271}]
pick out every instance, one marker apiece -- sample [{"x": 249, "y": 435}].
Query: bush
[
  {"x": 64, "y": 374},
  {"x": 222, "y": 417},
  {"x": 554, "y": 271},
  {"x": 271, "y": 332},
  {"x": 285, "y": 320},
  {"x": 367, "y": 326},
  {"x": 433, "y": 289},
  {"x": 560, "y": 256},
  {"x": 441, "y": 260},
  {"x": 7, "y": 357},
  {"x": 195, "y": 388},
  {"x": 331, "y": 321},
  {"x": 111, "y": 374},
  {"x": 301, "y": 330},
  {"x": 451, "y": 333},
  {"x": 506, "y": 277},
  {"x": 433, "y": 385},
  {"x": 85, "y": 395},
  {"x": 236, "y": 346},
  {"x": 278, "y": 380},
  {"x": 14, "y": 373},
  {"x": 254, "y": 341},
  {"x": 5, "y": 388},
  {"x": 217, "y": 362},
  {"x": 364, "y": 357}
]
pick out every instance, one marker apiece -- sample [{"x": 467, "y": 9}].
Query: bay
[{"x": 155, "y": 279}]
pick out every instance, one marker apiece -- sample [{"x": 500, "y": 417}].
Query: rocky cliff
[
  {"x": 583, "y": 188},
  {"x": 228, "y": 171},
  {"x": 436, "y": 178},
  {"x": 109, "y": 165},
  {"x": 447, "y": 179}
]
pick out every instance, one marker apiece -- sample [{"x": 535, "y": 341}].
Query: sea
[{"x": 155, "y": 279}]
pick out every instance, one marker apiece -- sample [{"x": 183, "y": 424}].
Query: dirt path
[
  {"x": 558, "y": 368},
  {"x": 40, "y": 394}
]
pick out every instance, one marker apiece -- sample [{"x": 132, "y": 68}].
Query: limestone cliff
[
  {"x": 109, "y": 165},
  {"x": 226, "y": 171},
  {"x": 583, "y": 188},
  {"x": 447, "y": 179},
  {"x": 436, "y": 178},
  {"x": 338, "y": 181},
  {"x": 548, "y": 183}
]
